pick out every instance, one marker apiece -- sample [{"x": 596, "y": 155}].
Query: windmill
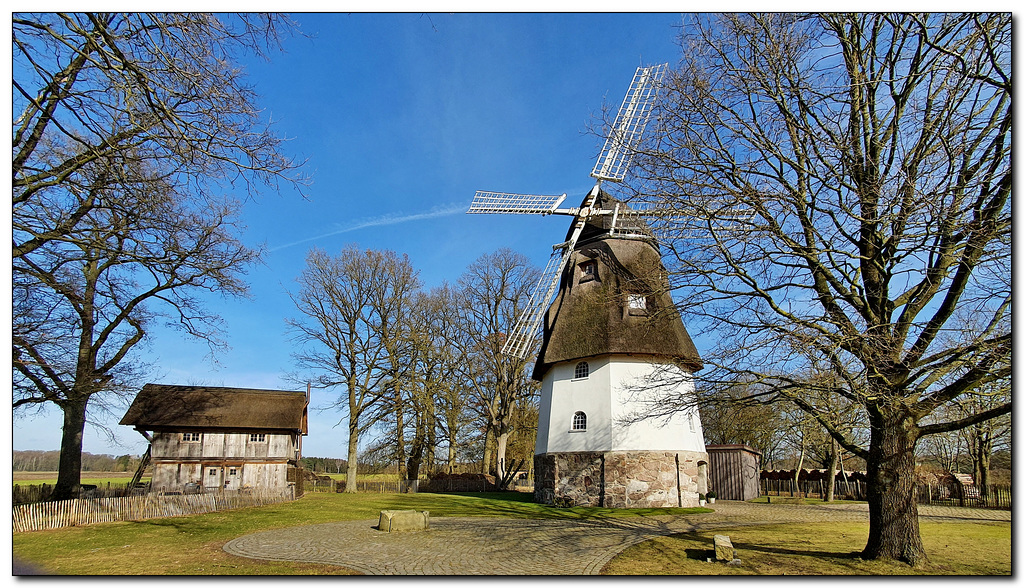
[
  {"x": 611, "y": 326},
  {"x": 612, "y": 164}
]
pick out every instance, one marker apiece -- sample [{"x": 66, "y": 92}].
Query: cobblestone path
[{"x": 476, "y": 545}]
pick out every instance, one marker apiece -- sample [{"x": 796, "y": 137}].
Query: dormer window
[
  {"x": 636, "y": 304},
  {"x": 588, "y": 271},
  {"x": 582, "y": 371}
]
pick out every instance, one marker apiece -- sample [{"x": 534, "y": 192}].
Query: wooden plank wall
[
  {"x": 224, "y": 445},
  {"x": 734, "y": 473}
]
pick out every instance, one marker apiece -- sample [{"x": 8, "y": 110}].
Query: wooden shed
[
  {"x": 734, "y": 471},
  {"x": 207, "y": 438}
]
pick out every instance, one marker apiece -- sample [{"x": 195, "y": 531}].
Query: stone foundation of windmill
[{"x": 621, "y": 479}]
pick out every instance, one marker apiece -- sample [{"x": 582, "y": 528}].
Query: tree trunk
[
  {"x": 353, "y": 454},
  {"x": 982, "y": 458},
  {"x": 502, "y": 447},
  {"x": 799, "y": 466},
  {"x": 451, "y": 449},
  {"x": 892, "y": 502},
  {"x": 833, "y": 466},
  {"x": 69, "y": 470},
  {"x": 400, "y": 436},
  {"x": 431, "y": 441},
  {"x": 416, "y": 451},
  {"x": 488, "y": 450}
]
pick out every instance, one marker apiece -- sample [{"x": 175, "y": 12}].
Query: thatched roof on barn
[
  {"x": 206, "y": 407},
  {"x": 590, "y": 315}
]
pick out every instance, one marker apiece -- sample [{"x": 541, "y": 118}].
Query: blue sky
[{"x": 401, "y": 118}]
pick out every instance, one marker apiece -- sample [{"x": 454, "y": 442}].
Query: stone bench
[{"x": 403, "y": 520}]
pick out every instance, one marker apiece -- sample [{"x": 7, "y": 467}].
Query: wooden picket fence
[
  {"x": 69, "y": 513},
  {"x": 29, "y": 493}
]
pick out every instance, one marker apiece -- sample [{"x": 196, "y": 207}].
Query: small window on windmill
[
  {"x": 582, "y": 371},
  {"x": 579, "y": 421},
  {"x": 191, "y": 437},
  {"x": 588, "y": 271},
  {"x": 637, "y": 304}
]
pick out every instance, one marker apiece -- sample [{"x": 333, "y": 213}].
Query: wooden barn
[
  {"x": 204, "y": 438},
  {"x": 734, "y": 472}
]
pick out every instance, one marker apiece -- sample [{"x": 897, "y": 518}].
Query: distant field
[{"x": 96, "y": 478}]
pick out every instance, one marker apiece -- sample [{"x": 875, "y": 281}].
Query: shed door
[
  {"x": 232, "y": 477},
  {"x": 213, "y": 476}
]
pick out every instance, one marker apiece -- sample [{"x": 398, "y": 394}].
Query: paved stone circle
[{"x": 501, "y": 546}]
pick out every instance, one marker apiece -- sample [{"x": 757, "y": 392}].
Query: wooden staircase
[{"x": 136, "y": 486}]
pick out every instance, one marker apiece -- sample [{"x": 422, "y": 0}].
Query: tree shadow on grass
[
  {"x": 522, "y": 505},
  {"x": 837, "y": 555}
]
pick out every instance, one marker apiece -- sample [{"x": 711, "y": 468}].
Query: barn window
[
  {"x": 258, "y": 437},
  {"x": 233, "y": 471},
  {"x": 582, "y": 371},
  {"x": 213, "y": 471},
  {"x": 579, "y": 421},
  {"x": 191, "y": 437}
]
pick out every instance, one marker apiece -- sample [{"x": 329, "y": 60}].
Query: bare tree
[
  {"x": 352, "y": 305},
  {"x": 93, "y": 92},
  {"x": 838, "y": 187},
  {"x": 450, "y": 344},
  {"x": 128, "y": 130},
  {"x": 440, "y": 401},
  {"x": 981, "y": 438},
  {"x": 727, "y": 419},
  {"x": 495, "y": 289}
]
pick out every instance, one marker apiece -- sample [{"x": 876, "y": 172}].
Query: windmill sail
[
  {"x": 629, "y": 124},
  {"x": 506, "y": 203},
  {"x": 520, "y": 340}
]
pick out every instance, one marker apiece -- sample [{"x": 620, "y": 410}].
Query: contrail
[{"x": 379, "y": 222}]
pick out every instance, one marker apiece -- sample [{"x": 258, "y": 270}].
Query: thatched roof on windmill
[
  {"x": 597, "y": 310},
  {"x": 161, "y": 406}
]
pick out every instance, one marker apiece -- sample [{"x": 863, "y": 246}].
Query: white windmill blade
[
  {"x": 520, "y": 340},
  {"x": 506, "y": 203},
  {"x": 629, "y": 124}
]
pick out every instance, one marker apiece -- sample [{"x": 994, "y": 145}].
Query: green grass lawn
[
  {"x": 819, "y": 549},
  {"x": 193, "y": 544}
]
